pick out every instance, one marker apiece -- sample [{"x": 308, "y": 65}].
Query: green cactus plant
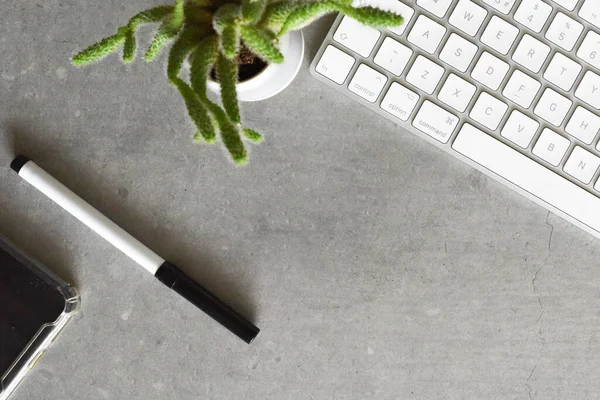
[{"x": 211, "y": 34}]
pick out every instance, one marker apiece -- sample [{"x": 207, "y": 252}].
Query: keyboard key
[
  {"x": 562, "y": 71},
  {"x": 551, "y": 147},
  {"x": 531, "y": 53},
  {"x": 393, "y": 56},
  {"x": 553, "y": 107},
  {"x": 399, "y": 101},
  {"x": 582, "y": 165},
  {"x": 488, "y": 111},
  {"x": 589, "y": 89},
  {"x": 499, "y": 35},
  {"x": 367, "y": 83},
  {"x": 426, "y": 34},
  {"x": 504, "y": 6},
  {"x": 589, "y": 51},
  {"x": 564, "y": 31},
  {"x": 458, "y": 52},
  {"x": 520, "y": 129},
  {"x": 436, "y": 7},
  {"x": 435, "y": 122},
  {"x": 521, "y": 89},
  {"x": 388, "y": 5},
  {"x": 335, "y": 64},
  {"x": 457, "y": 93},
  {"x": 533, "y": 14},
  {"x": 568, "y": 4},
  {"x": 583, "y": 125},
  {"x": 590, "y": 12},
  {"x": 490, "y": 71},
  {"x": 468, "y": 17},
  {"x": 425, "y": 74},
  {"x": 528, "y": 175},
  {"x": 356, "y": 36}
]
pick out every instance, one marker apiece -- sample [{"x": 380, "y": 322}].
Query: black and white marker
[{"x": 166, "y": 272}]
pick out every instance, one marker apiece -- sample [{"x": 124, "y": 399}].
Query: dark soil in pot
[{"x": 250, "y": 66}]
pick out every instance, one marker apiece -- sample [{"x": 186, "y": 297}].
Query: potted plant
[{"x": 233, "y": 47}]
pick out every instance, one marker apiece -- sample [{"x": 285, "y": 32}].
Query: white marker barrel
[{"x": 87, "y": 214}]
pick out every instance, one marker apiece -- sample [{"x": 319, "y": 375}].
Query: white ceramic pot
[{"x": 275, "y": 77}]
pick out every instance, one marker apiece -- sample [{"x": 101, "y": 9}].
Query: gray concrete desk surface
[{"x": 377, "y": 266}]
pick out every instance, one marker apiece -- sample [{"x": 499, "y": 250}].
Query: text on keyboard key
[
  {"x": 399, "y": 101},
  {"x": 458, "y": 52},
  {"x": 528, "y": 175},
  {"x": 499, "y": 35},
  {"x": 468, "y": 17},
  {"x": 589, "y": 51},
  {"x": 582, "y": 165},
  {"x": 335, "y": 64},
  {"x": 583, "y": 125},
  {"x": 562, "y": 71},
  {"x": 435, "y": 122},
  {"x": 425, "y": 74},
  {"x": 589, "y": 89},
  {"x": 488, "y": 111},
  {"x": 564, "y": 31},
  {"x": 504, "y": 6},
  {"x": 553, "y": 107},
  {"x": 426, "y": 34},
  {"x": 589, "y": 11},
  {"x": 551, "y": 147},
  {"x": 533, "y": 14},
  {"x": 356, "y": 36},
  {"x": 367, "y": 83},
  {"x": 490, "y": 70},
  {"x": 457, "y": 93},
  {"x": 393, "y": 56},
  {"x": 521, "y": 89},
  {"x": 531, "y": 53},
  {"x": 520, "y": 129}
]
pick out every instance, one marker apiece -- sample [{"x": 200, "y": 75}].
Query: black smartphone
[{"x": 34, "y": 307}]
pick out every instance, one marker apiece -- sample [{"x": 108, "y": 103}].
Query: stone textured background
[{"x": 377, "y": 266}]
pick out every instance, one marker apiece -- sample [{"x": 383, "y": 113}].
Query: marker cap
[{"x": 196, "y": 294}]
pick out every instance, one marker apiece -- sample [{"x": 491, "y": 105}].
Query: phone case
[{"x": 49, "y": 331}]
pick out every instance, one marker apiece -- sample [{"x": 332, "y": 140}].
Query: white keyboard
[{"x": 510, "y": 87}]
